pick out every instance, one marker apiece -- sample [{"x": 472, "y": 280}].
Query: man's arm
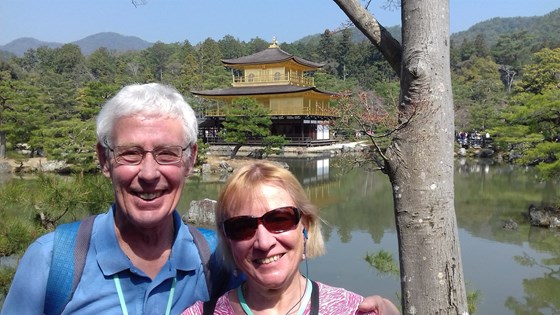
[
  {"x": 27, "y": 291},
  {"x": 379, "y": 305}
]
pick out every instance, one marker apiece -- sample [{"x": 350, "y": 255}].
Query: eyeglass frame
[{"x": 118, "y": 159}]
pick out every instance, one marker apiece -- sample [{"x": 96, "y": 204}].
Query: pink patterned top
[{"x": 332, "y": 300}]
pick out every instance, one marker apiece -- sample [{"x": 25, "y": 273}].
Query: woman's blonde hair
[{"x": 243, "y": 184}]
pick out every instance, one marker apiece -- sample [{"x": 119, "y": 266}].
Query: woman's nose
[{"x": 264, "y": 240}]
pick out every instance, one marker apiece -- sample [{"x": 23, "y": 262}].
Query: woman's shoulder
[
  {"x": 335, "y": 300},
  {"x": 222, "y": 307},
  {"x": 328, "y": 291}
]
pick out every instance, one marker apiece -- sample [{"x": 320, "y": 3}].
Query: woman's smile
[{"x": 268, "y": 260}]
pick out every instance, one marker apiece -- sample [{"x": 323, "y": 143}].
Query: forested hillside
[
  {"x": 507, "y": 85},
  {"x": 544, "y": 29},
  {"x": 89, "y": 44}
]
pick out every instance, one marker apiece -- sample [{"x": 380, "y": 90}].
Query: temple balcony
[
  {"x": 306, "y": 111},
  {"x": 274, "y": 79}
]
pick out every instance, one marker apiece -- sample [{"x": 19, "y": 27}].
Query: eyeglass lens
[
  {"x": 275, "y": 221},
  {"x": 135, "y": 155}
]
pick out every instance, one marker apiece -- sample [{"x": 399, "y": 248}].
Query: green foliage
[
  {"x": 201, "y": 157},
  {"x": 21, "y": 110},
  {"x": 473, "y": 298},
  {"x": 32, "y": 208},
  {"x": 232, "y": 48},
  {"x": 70, "y": 198},
  {"x": 103, "y": 65},
  {"x": 72, "y": 141},
  {"x": 513, "y": 49},
  {"x": 531, "y": 125},
  {"x": 478, "y": 93},
  {"x": 212, "y": 71},
  {"x": 543, "y": 73},
  {"x": 383, "y": 262},
  {"x": 543, "y": 28},
  {"x": 273, "y": 144},
  {"x": 6, "y": 276},
  {"x": 547, "y": 157},
  {"x": 16, "y": 235},
  {"x": 53, "y": 199},
  {"x": 246, "y": 118},
  {"x": 16, "y": 231}
]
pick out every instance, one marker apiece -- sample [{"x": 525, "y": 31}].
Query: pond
[{"x": 514, "y": 271}]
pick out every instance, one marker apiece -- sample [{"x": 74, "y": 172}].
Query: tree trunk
[
  {"x": 420, "y": 162},
  {"x": 235, "y": 150},
  {"x": 2, "y": 144}
]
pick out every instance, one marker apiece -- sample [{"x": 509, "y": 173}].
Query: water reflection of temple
[
  {"x": 315, "y": 176},
  {"x": 313, "y": 171}
]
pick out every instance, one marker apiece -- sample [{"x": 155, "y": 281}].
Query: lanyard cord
[
  {"x": 123, "y": 302},
  {"x": 303, "y": 300}
]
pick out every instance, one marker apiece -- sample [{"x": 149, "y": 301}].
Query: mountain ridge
[
  {"x": 88, "y": 44},
  {"x": 541, "y": 26}
]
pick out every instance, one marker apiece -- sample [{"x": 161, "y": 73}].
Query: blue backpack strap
[
  {"x": 70, "y": 247},
  {"x": 206, "y": 241}
]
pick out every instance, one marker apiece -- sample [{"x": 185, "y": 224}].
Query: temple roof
[
  {"x": 273, "y": 54},
  {"x": 260, "y": 90}
]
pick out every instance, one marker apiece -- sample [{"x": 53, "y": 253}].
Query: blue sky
[{"x": 195, "y": 20}]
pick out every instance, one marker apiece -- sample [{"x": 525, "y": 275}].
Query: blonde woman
[{"x": 267, "y": 226}]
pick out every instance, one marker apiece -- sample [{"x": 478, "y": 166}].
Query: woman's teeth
[{"x": 268, "y": 260}]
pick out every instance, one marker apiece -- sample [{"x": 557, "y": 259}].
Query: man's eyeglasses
[
  {"x": 134, "y": 155},
  {"x": 275, "y": 221}
]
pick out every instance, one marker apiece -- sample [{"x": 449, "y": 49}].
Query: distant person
[{"x": 267, "y": 226}]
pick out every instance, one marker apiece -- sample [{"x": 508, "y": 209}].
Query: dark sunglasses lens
[
  {"x": 240, "y": 228},
  {"x": 281, "y": 220},
  {"x": 275, "y": 221}
]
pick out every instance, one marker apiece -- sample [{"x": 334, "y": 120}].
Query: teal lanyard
[
  {"x": 123, "y": 302},
  {"x": 304, "y": 300}
]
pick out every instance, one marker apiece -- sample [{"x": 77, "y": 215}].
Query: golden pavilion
[{"x": 283, "y": 84}]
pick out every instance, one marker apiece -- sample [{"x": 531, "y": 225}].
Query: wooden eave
[
  {"x": 271, "y": 55},
  {"x": 261, "y": 91}
]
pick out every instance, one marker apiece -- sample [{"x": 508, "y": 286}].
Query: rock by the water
[
  {"x": 509, "y": 224},
  {"x": 545, "y": 216},
  {"x": 201, "y": 212}
]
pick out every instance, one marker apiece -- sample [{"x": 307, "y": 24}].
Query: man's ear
[
  {"x": 191, "y": 160},
  {"x": 104, "y": 160}
]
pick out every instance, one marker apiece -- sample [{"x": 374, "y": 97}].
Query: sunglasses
[{"x": 275, "y": 221}]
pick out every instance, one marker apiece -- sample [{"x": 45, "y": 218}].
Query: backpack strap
[
  {"x": 209, "y": 306},
  {"x": 202, "y": 239},
  {"x": 314, "y": 298},
  {"x": 70, "y": 247}
]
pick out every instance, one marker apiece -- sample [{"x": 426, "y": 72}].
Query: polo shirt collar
[{"x": 112, "y": 259}]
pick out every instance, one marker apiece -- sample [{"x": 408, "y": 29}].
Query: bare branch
[
  {"x": 375, "y": 32},
  {"x": 136, "y": 3}
]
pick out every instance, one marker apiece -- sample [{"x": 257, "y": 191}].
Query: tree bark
[{"x": 419, "y": 160}]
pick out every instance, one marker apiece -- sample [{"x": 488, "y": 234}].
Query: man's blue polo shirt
[{"x": 96, "y": 292}]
